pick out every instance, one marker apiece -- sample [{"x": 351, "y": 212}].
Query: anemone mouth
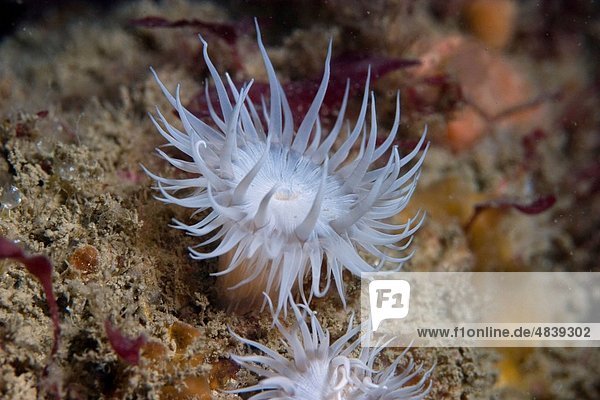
[
  {"x": 294, "y": 181},
  {"x": 286, "y": 194}
]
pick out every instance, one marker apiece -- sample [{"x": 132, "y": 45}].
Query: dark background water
[{"x": 13, "y": 12}]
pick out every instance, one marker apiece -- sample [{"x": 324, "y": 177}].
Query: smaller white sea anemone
[
  {"x": 318, "y": 370},
  {"x": 287, "y": 205}
]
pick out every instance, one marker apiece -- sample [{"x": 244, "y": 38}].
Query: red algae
[
  {"x": 40, "y": 267},
  {"x": 537, "y": 206},
  {"x": 128, "y": 349},
  {"x": 229, "y": 32}
]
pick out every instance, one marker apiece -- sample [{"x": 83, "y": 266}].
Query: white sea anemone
[
  {"x": 281, "y": 201},
  {"x": 318, "y": 370}
]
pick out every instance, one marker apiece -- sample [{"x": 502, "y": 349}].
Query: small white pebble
[
  {"x": 66, "y": 171},
  {"x": 11, "y": 197}
]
